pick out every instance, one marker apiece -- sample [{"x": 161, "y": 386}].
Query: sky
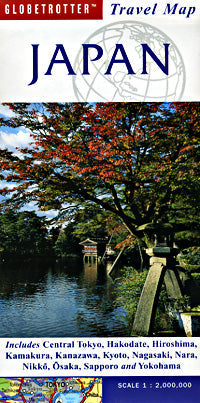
[{"x": 10, "y": 137}]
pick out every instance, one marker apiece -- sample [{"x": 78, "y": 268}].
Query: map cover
[{"x": 99, "y": 201}]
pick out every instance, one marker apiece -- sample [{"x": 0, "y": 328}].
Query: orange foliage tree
[{"x": 135, "y": 160}]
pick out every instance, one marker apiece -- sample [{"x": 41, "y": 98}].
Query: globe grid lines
[{"x": 174, "y": 83}]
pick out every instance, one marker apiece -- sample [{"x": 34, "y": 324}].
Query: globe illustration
[{"x": 121, "y": 86}]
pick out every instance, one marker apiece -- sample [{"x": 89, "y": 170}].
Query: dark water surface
[{"x": 58, "y": 300}]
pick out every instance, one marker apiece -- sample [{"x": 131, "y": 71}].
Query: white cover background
[{"x": 16, "y": 38}]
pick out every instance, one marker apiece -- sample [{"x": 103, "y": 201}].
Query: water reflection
[
  {"x": 90, "y": 271},
  {"x": 59, "y": 299}
]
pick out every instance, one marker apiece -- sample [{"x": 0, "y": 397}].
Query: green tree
[
  {"x": 67, "y": 243},
  {"x": 32, "y": 233},
  {"x": 22, "y": 233},
  {"x": 91, "y": 222},
  {"x": 8, "y": 233}
]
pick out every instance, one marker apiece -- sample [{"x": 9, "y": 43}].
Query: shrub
[
  {"x": 129, "y": 290},
  {"x": 191, "y": 255}
]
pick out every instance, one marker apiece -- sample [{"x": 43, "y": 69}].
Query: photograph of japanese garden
[{"x": 100, "y": 219}]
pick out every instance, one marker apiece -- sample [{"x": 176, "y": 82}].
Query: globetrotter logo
[
  {"x": 137, "y": 86},
  {"x": 51, "y": 10}
]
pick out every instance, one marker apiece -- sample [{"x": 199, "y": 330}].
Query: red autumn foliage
[{"x": 133, "y": 160}]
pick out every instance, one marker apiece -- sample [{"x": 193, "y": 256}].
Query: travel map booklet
[{"x": 99, "y": 197}]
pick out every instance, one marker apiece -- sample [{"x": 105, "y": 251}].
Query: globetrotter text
[{"x": 46, "y": 9}]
